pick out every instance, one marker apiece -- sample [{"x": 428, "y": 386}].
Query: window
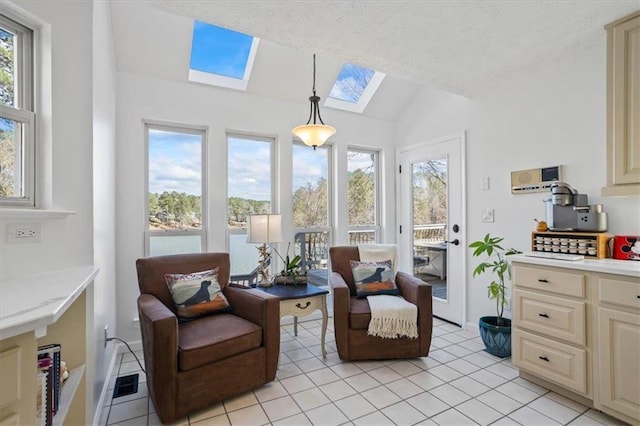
[
  {"x": 362, "y": 196},
  {"x": 354, "y": 88},
  {"x": 17, "y": 117},
  {"x": 175, "y": 186},
  {"x": 311, "y": 207},
  {"x": 250, "y": 191},
  {"x": 221, "y": 57}
]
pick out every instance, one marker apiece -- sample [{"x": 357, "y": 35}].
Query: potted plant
[
  {"x": 291, "y": 274},
  {"x": 495, "y": 331}
]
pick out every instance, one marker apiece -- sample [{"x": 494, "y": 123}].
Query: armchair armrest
[
  {"x": 341, "y": 307},
  {"x": 262, "y": 309},
  {"x": 159, "y": 329},
  {"x": 418, "y": 292}
]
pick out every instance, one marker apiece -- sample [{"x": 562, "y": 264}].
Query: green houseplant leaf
[{"x": 496, "y": 264}]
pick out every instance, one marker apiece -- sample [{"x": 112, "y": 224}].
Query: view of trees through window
[
  {"x": 250, "y": 182},
  {"x": 361, "y": 187},
  {"x": 310, "y": 187},
  {"x": 430, "y": 192},
  {"x": 175, "y": 180}
]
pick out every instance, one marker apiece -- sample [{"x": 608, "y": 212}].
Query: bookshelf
[{"x": 39, "y": 310}]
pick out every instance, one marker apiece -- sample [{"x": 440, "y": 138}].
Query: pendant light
[{"x": 314, "y": 134}]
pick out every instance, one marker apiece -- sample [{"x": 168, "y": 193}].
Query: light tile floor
[{"x": 457, "y": 384}]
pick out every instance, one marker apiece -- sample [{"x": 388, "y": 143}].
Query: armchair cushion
[
  {"x": 372, "y": 278},
  {"x": 214, "y": 338},
  {"x": 196, "y": 294},
  {"x": 359, "y": 314}
]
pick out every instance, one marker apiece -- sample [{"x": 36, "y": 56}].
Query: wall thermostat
[{"x": 534, "y": 180}]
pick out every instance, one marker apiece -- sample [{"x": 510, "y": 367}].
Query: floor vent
[{"x": 126, "y": 385}]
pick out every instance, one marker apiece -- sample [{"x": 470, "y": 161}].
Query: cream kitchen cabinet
[
  {"x": 576, "y": 330},
  {"x": 623, "y": 107},
  {"x": 39, "y": 310},
  {"x": 618, "y": 366}
]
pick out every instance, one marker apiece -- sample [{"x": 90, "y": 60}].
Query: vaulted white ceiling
[{"x": 456, "y": 46}]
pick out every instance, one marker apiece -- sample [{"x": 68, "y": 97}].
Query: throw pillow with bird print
[
  {"x": 373, "y": 278},
  {"x": 197, "y": 294}
]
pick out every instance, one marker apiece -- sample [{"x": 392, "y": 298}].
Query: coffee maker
[{"x": 567, "y": 210}]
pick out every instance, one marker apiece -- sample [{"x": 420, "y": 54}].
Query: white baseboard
[
  {"x": 105, "y": 388},
  {"x": 115, "y": 357}
]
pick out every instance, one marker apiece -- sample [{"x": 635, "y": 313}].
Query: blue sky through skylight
[
  {"x": 351, "y": 83},
  {"x": 219, "y": 51}
]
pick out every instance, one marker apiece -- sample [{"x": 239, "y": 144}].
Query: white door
[{"x": 432, "y": 222}]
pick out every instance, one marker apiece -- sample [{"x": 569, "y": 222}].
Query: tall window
[
  {"x": 250, "y": 191},
  {"x": 311, "y": 205},
  {"x": 362, "y": 196},
  {"x": 175, "y": 188},
  {"x": 17, "y": 117}
]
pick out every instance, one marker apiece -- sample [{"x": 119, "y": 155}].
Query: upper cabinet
[{"x": 623, "y": 107}]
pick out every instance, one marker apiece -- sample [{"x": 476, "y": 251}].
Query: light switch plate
[{"x": 487, "y": 215}]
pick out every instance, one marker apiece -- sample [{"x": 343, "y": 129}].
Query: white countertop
[
  {"x": 607, "y": 266},
  {"x": 33, "y": 302}
]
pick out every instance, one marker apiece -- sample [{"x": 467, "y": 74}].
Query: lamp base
[{"x": 263, "y": 284}]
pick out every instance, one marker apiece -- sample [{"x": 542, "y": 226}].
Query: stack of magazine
[{"x": 48, "y": 384}]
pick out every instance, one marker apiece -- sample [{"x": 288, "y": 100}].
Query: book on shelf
[
  {"x": 41, "y": 398},
  {"x": 49, "y": 374}
]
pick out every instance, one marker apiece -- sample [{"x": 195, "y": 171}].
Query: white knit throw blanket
[
  {"x": 378, "y": 253},
  {"x": 392, "y": 317}
]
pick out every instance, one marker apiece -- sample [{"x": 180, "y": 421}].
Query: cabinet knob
[
  {"x": 544, "y": 358},
  {"x": 543, "y": 315}
]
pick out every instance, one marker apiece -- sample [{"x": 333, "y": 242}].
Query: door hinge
[
  {"x": 401, "y": 229},
  {"x": 399, "y": 168}
]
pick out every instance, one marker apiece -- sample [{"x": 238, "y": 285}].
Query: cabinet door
[
  {"x": 623, "y": 98},
  {"x": 619, "y": 346}
]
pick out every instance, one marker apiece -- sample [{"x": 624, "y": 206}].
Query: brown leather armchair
[
  {"x": 351, "y": 316},
  {"x": 191, "y": 365}
]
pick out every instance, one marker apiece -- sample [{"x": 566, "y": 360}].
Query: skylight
[
  {"x": 354, "y": 88},
  {"x": 221, "y": 57}
]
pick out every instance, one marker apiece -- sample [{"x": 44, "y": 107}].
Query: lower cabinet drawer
[
  {"x": 557, "y": 317},
  {"x": 559, "y": 363},
  {"x": 300, "y": 307}
]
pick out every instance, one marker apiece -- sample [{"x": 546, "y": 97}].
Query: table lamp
[{"x": 264, "y": 229}]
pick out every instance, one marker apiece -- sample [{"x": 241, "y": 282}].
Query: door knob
[{"x": 454, "y": 242}]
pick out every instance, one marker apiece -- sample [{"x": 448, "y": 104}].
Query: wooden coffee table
[{"x": 299, "y": 301}]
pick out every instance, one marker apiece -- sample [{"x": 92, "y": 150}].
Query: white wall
[
  {"x": 553, "y": 114},
  {"x": 64, "y": 135},
  {"x": 140, "y": 97},
  {"x": 104, "y": 150}
]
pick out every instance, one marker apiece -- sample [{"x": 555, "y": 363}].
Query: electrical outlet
[
  {"x": 24, "y": 233},
  {"x": 106, "y": 335}
]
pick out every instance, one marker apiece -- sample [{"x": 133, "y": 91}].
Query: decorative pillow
[
  {"x": 373, "y": 278},
  {"x": 197, "y": 294}
]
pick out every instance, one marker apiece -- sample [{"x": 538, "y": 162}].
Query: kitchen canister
[{"x": 626, "y": 247}]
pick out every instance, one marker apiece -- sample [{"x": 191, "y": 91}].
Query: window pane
[
  {"x": 310, "y": 191},
  {"x": 361, "y": 191},
  {"x": 249, "y": 183},
  {"x": 175, "y": 180},
  {"x": 7, "y": 67},
  {"x": 351, "y": 83},
  {"x": 11, "y": 158},
  {"x": 174, "y": 244},
  {"x": 249, "y": 179},
  {"x": 217, "y": 50}
]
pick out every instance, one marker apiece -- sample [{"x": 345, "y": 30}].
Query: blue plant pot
[{"x": 496, "y": 338}]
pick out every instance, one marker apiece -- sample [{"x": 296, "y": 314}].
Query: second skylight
[{"x": 354, "y": 88}]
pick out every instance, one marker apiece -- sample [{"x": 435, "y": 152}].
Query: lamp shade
[
  {"x": 264, "y": 228},
  {"x": 314, "y": 134}
]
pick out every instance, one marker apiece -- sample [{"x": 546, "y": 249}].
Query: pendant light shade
[{"x": 313, "y": 133}]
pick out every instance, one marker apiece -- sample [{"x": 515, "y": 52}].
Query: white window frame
[
  {"x": 328, "y": 228},
  {"x": 202, "y": 232},
  {"x": 375, "y": 227},
  {"x": 23, "y": 113},
  {"x": 271, "y": 140}
]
